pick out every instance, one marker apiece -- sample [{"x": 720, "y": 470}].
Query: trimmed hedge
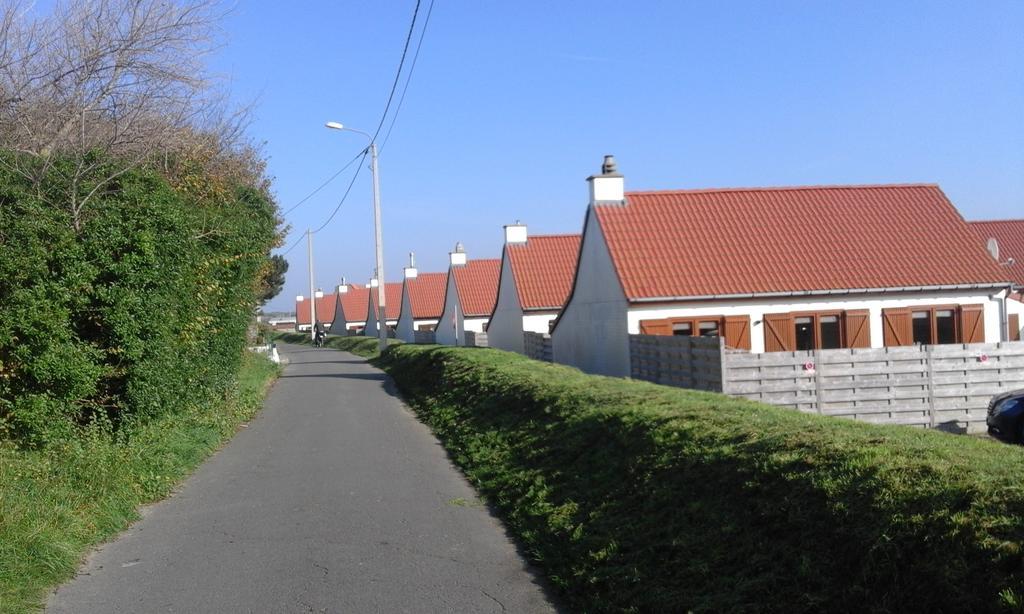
[
  {"x": 644, "y": 498},
  {"x": 140, "y": 311}
]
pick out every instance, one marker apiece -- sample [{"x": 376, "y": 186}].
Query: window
[
  {"x": 804, "y": 332},
  {"x": 735, "y": 329},
  {"x": 708, "y": 329},
  {"x": 830, "y": 335},
  {"x": 933, "y": 325}
]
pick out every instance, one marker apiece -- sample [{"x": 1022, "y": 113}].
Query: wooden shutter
[
  {"x": 656, "y": 327},
  {"x": 857, "y": 328},
  {"x": 737, "y": 332},
  {"x": 1014, "y": 322},
  {"x": 779, "y": 334},
  {"x": 896, "y": 327},
  {"x": 972, "y": 323}
]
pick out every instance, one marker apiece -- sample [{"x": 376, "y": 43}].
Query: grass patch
[
  {"x": 358, "y": 345},
  {"x": 57, "y": 502},
  {"x": 634, "y": 497}
]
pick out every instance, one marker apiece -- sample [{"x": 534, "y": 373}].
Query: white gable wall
[
  {"x": 592, "y": 330},
  {"x": 874, "y": 304},
  {"x": 506, "y": 328},
  {"x": 450, "y": 329},
  {"x": 406, "y": 325},
  {"x": 371, "y": 328}
]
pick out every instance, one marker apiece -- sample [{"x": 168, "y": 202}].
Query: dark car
[{"x": 1006, "y": 416}]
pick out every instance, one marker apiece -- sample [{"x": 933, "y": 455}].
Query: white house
[
  {"x": 536, "y": 276},
  {"x": 1005, "y": 241},
  {"x": 392, "y": 305},
  {"x": 469, "y": 297},
  {"x": 324, "y": 310},
  {"x": 422, "y": 301},
  {"x": 775, "y": 269},
  {"x": 350, "y": 309}
]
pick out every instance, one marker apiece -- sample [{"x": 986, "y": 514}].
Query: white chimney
[
  {"x": 458, "y": 257},
  {"x": 410, "y": 271},
  {"x": 609, "y": 187},
  {"x": 373, "y": 283},
  {"x": 515, "y": 233},
  {"x": 299, "y": 298},
  {"x": 319, "y": 293},
  {"x": 343, "y": 288}
]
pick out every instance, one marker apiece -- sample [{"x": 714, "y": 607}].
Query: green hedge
[
  {"x": 644, "y": 498},
  {"x": 367, "y": 347},
  {"x": 139, "y": 311}
]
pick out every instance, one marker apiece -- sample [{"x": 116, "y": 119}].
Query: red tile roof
[
  {"x": 1009, "y": 234},
  {"x": 781, "y": 240},
  {"x": 324, "y": 309},
  {"x": 426, "y": 295},
  {"x": 355, "y": 303},
  {"x": 477, "y": 285},
  {"x": 392, "y": 300},
  {"x": 543, "y": 269}
]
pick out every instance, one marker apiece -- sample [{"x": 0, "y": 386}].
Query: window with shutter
[
  {"x": 656, "y": 327},
  {"x": 737, "y": 332},
  {"x": 779, "y": 332},
  {"x": 972, "y": 323},
  {"x": 896, "y": 327},
  {"x": 858, "y": 331},
  {"x": 1014, "y": 325}
]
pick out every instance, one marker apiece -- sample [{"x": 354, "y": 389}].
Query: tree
[
  {"x": 122, "y": 78},
  {"x": 273, "y": 278}
]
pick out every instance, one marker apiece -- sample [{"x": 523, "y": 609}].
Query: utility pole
[
  {"x": 312, "y": 293},
  {"x": 381, "y": 285}
]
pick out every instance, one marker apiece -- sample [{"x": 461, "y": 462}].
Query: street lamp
[{"x": 381, "y": 291}]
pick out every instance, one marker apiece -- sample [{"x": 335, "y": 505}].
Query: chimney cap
[{"x": 609, "y": 168}]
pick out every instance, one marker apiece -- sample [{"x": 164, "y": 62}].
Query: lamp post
[
  {"x": 381, "y": 285},
  {"x": 312, "y": 293}
]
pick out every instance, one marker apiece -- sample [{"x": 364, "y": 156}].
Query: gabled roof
[
  {"x": 426, "y": 295},
  {"x": 1009, "y": 234},
  {"x": 543, "y": 268},
  {"x": 324, "y": 309},
  {"x": 355, "y": 303},
  {"x": 392, "y": 300},
  {"x": 477, "y": 285},
  {"x": 705, "y": 243}
]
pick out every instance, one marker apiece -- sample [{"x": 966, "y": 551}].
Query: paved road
[{"x": 335, "y": 499}]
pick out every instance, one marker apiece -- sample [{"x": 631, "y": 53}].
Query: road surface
[{"x": 334, "y": 499}]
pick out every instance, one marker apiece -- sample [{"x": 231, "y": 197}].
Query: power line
[
  {"x": 345, "y": 195},
  {"x": 398, "y": 74},
  {"x": 408, "y": 77},
  {"x": 323, "y": 185},
  {"x": 294, "y": 245}
]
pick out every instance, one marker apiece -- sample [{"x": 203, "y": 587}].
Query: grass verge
[
  {"x": 634, "y": 497},
  {"x": 57, "y": 502},
  {"x": 358, "y": 345}
]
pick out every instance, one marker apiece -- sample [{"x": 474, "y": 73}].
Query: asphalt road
[{"x": 334, "y": 499}]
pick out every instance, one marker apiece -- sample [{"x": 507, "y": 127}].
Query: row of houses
[{"x": 767, "y": 269}]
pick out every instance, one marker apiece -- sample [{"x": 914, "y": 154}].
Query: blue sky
[{"x": 513, "y": 104}]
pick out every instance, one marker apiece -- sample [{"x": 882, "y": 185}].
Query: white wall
[
  {"x": 406, "y": 325},
  {"x": 592, "y": 332},
  {"x": 449, "y": 329},
  {"x": 477, "y": 325},
  {"x": 506, "y": 328},
  {"x": 874, "y": 304},
  {"x": 538, "y": 321},
  {"x": 371, "y": 329}
]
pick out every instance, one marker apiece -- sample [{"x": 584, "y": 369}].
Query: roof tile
[
  {"x": 769, "y": 240},
  {"x": 543, "y": 269},
  {"x": 392, "y": 300},
  {"x": 426, "y": 295},
  {"x": 477, "y": 285},
  {"x": 1009, "y": 234}
]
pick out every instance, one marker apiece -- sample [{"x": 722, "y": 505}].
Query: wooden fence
[
  {"x": 537, "y": 346},
  {"x": 687, "y": 362},
  {"x": 938, "y": 386}
]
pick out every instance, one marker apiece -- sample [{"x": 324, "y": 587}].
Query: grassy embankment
[
  {"x": 358, "y": 345},
  {"x": 637, "y": 497},
  {"x": 57, "y": 502}
]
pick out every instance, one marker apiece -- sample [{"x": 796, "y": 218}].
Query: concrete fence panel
[
  {"x": 688, "y": 362},
  {"x": 474, "y": 339},
  {"x": 424, "y": 336},
  {"x": 537, "y": 346}
]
